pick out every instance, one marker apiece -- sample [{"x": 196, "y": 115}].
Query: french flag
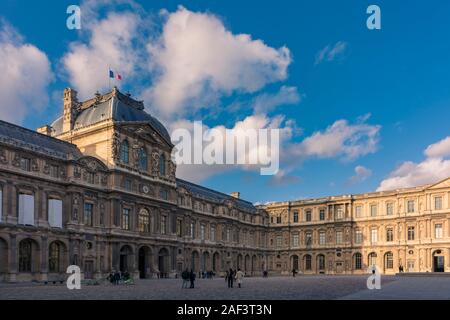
[{"x": 115, "y": 76}]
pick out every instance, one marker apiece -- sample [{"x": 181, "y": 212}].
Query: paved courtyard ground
[{"x": 283, "y": 288}]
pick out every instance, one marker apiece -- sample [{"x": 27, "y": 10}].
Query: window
[
  {"x": 55, "y": 213},
  {"x": 26, "y": 209},
  {"x": 308, "y": 238},
  {"x": 373, "y": 210},
  {"x": 162, "y": 165},
  {"x": 25, "y": 164},
  {"x": 410, "y": 205},
  {"x": 339, "y": 213},
  {"x": 54, "y": 257},
  {"x": 295, "y": 241},
  {"x": 202, "y": 232},
  {"x": 163, "y": 224},
  {"x": 25, "y": 255},
  {"x": 373, "y": 259},
  {"x": 279, "y": 219},
  {"x": 389, "y": 234},
  {"x": 126, "y": 218},
  {"x": 322, "y": 238},
  {"x": 88, "y": 213},
  {"x": 54, "y": 171},
  {"x": 295, "y": 216},
  {"x": 338, "y": 237},
  {"x": 389, "y": 209},
  {"x": 124, "y": 152},
  {"x": 321, "y": 262},
  {"x": 358, "y": 211},
  {"x": 438, "y": 231},
  {"x": 308, "y": 265},
  {"x": 308, "y": 215},
  {"x": 322, "y": 214},
  {"x": 128, "y": 184},
  {"x": 279, "y": 241},
  {"x": 358, "y": 237},
  {"x": 164, "y": 194},
  {"x": 373, "y": 236},
  {"x": 193, "y": 230},
  {"x": 90, "y": 177},
  {"x": 389, "y": 260},
  {"x": 143, "y": 161},
  {"x": 213, "y": 233},
  {"x": 410, "y": 233},
  {"x": 179, "y": 228},
  {"x": 357, "y": 261},
  {"x": 144, "y": 221},
  {"x": 438, "y": 203},
  {"x": 228, "y": 234}
]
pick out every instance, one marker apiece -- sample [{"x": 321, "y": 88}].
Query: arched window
[
  {"x": 162, "y": 165},
  {"x": 308, "y": 265},
  {"x": 357, "y": 261},
  {"x": 321, "y": 261},
  {"x": 372, "y": 259},
  {"x": 388, "y": 260},
  {"x": 143, "y": 161},
  {"x": 54, "y": 257},
  {"x": 144, "y": 221},
  {"x": 125, "y": 152},
  {"x": 25, "y": 255}
]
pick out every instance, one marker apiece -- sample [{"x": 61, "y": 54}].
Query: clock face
[{"x": 145, "y": 189}]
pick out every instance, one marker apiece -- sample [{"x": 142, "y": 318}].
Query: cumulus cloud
[
  {"x": 341, "y": 139},
  {"x": 26, "y": 73},
  {"x": 267, "y": 102},
  {"x": 361, "y": 174},
  {"x": 435, "y": 167},
  {"x": 330, "y": 53},
  {"x": 198, "y": 60}
]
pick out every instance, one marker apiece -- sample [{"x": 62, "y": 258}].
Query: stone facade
[{"x": 97, "y": 188}]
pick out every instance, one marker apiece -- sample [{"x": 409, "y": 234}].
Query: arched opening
[
  {"x": 307, "y": 262},
  {"x": 357, "y": 261},
  {"x": 388, "y": 261},
  {"x": 195, "y": 261},
  {"x": 372, "y": 259},
  {"x": 216, "y": 262},
  {"x": 163, "y": 262},
  {"x": 205, "y": 262},
  {"x": 247, "y": 263},
  {"x": 254, "y": 263},
  {"x": 321, "y": 263},
  {"x": 3, "y": 258},
  {"x": 144, "y": 221},
  {"x": 438, "y": 261},
  {"x": 126, "y": 258},
  {"x": 239, "y": 261},
  {"x": 29, "y": 257},
  {"x": 294, "y": 262},
  {"x": 144, "y": 258},
  {"x": 57, "y": 257}
]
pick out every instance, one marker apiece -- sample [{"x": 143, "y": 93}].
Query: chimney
[
  {"x": 47, "y": 130},
  {"x": 70, "y": 107},
  {"x": 236, "y": 195}
]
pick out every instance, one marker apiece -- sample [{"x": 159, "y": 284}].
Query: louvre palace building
[{"x": 97, "y": 188}]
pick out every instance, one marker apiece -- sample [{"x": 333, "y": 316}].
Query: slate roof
[
  {"x": 216, "y": 196},
  {"x": 19, "y": 137},
  {"x": 113, "y": 105}
]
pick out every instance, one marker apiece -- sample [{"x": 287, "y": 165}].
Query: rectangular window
[
  {"x": 202, "y": 232},
  {"x": 54, "y": 171},
  {"x": 26, "y": 209},
  {"x": 411, "y": 234},
  {"x": 373, "y": 210},
  {"x": 228, "y": 235},
  {"x": 374, "y": 236},
  {"x": 438, "y": 231},
  {"x": 164, "y": 194},
  {"x": 390, "y": 235},
  {"x": 193, "y": 230},
  {"x": 308, "y": 239},
  {"x": 358, "y": 211},
  {"x": 55, "y": 213},
  {"x": 179, "y": 228},
  {"x": 128, "y": 184},
  {"x": 389, "y": 209},
  {"x": 88, "y": 213},
  {"x": 438, "y": 203},
  {"x": 126, "y": 219},
  {"x": 308, "y": 215},
  {"x": 279, "y": 219},
  {"x": 295, "y": 216},
  {"x": 358, "y": 237},
  {"x": 322, "y": 238},
  {"x": 322, "y": 214},
  {"x": 410, "y": 206},
  {"x": 338, "y": 237},
  {"x": 25, "y": 164},
  {"x": 279, "y": 241},
  {"x": 213, "y": 233},
  {"x": 295, "y": 241},
  {"x": 163, "y": 224},
  {"x": 339, "y": 213},
  {"x": 91, "y": 177}
]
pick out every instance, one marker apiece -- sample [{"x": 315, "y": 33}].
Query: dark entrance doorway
[
  {"x": 438, "y": 263},
  {"x": 142, "y": 263}
]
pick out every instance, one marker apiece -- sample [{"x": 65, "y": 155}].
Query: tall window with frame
[
  {"x": 295, "y": 216},
  {"x": 308, "y": 239},
  {"x": 358, "y": 211},
  {"x": 438, "y": 231},
  {"x": 144, "y": 221},
  {"x": 373, "y": 210},
  {"x": 410, "y": 206},
  {"x": 202, "y": 232},
  {"x": 438, "y": 203},
  {"x": 308, "y": 215},
  {"x": 357, "y": 257},
  {"x": 192, "y": 229},
  {"x": 411, "y": 233},
  {"x": 88, "y": 214},
  {"x": 389, "y": 208},
  {"x": 308, "y": 264},
  {"x": 163, "y": 228},
  {"x": 339, "y": 213},
  {"x": 126, "y": 218},
  {"x": 295, "y": 240},
  {"x": 125, "y": 152},
  {"x": 322, "y": 238},
  {"x": 373, "y": 236},
  {"x": 143, "y": 159},
  {"x": 279, "y": 241},
  {"x": 322, "y": 214},
  {"x": 213, "y": 233},
  {"x": 25, "y": 164},
  {"x": 358, "y": 237},
  {"x": 339, "y": 237},
  {"x": 54, "y": 257},
  {"x": 162, "y": 165},
  {"x": 389, "y": 234}
]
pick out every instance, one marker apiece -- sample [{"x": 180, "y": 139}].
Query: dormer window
[
  {"x": 162, "y": 165},
  {"x": 143, "y": 161},
  {"x": 125, "y": 152}
]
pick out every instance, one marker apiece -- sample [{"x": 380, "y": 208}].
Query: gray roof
[
  {"x": 116, "y": 106},
  {"x": 19, "y": 137},
  {"x": 215, "y": 196}
]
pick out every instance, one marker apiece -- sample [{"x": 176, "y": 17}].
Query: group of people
[
  {"x": 188, "y": 277},
  {"x": 233, "y": 275},
  {"x": 118, "y": 277}
]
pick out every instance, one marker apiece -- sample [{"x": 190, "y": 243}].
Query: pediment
[
  {"x": 93, "y": 164},
  {"x": 441, "y": 184},
  {"x": 145, "y": 132}
]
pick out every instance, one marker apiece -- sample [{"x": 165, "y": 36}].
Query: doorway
[{"x": 438, "y": 263}]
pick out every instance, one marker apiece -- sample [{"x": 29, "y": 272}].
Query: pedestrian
[
  {"x": 185, "y": 277},
  {"x": 230, "y": 278},
  {"x": 192, "y": 278},
  {"x": 239, "y": 277},
  {"x": 294, "y": 272}
]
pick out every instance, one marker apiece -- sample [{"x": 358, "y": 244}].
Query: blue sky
[{"x": 398, "y": 75}]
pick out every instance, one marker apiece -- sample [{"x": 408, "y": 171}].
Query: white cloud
[
  {"x": 26, "y": 73},
  {"x": 330, "y": 53},
  {"x": 112, "y": 42},
  {"x": 435, "y": 167},
  {"x": 341, "y": 139},
  {"x": 266, "y": 102},
  {"x": 199, "y": 60},
  {"x": 361, "y": 174}
]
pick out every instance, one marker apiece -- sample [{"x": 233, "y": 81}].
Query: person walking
[
  {"x": 230, "y": 278},
  {"x": 192, "y": 278},
  {"x": 239, "y": 276},
  {"x": 185, "y": 277}
]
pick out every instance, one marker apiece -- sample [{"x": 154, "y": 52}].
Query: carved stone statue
[
  {"x": 115, "y": 147},
  {"x": 3, "y": 158},
  {"x": 34, "y": 165},
  {"x": 172, "y": 169},
  {"x": 155, "y": 163},
  {"x": 16, "y": 160}
]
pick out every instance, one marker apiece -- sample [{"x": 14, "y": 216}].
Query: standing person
[
  {"x": 239, "y": 277},
  {"x": 227, "y": 274},
  {"x": 192, "y": 278},
  {"x": 294, "y": 272},
  {"x": 230, "y": 278},
  {"x": 185, "y": 277}
]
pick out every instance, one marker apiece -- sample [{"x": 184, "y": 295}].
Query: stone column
[
  {"x": 44, "y": 258},
  {"x": 12, "y": 259}
]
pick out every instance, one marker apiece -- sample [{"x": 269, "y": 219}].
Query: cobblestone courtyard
[{"x": 284, "y": 288}]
